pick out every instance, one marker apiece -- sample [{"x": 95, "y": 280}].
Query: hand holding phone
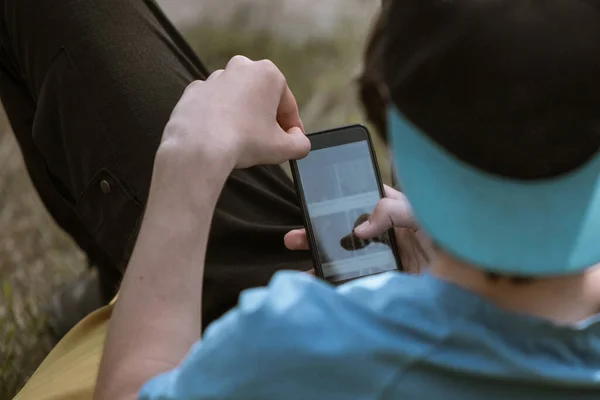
[
  {"x": 393, "y": 211},
  {"x": 339, "y": 187}
]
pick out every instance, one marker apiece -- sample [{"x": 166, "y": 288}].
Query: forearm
[
  {"x": 158, "y": 315},
  {"x": 242, "y": 116}
]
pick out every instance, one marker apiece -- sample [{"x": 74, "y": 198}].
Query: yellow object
[{"x": 70, "y": 370}]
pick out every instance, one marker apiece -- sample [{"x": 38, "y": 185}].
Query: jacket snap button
[{"x": 105, "y": 187}]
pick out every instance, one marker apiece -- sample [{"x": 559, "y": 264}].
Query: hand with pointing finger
[
  {"x": 245, "y": 114},
  {"x": 393, "y": 211},
  {"x": 241, "y": 116}
]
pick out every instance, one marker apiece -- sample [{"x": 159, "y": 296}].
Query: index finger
[{"x": 288, "y": 115}]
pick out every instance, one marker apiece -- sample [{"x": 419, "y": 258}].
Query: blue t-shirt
[{"x": 391, "y": 336}]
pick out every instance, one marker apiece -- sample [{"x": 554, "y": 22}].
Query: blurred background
[{"x": 318, "y": 45}]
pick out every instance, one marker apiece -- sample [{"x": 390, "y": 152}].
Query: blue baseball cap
[{"x": 534, "y": 227}]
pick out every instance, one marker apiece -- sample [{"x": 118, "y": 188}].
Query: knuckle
[
  {"x": 193, "y": 86},
  {"x": 266, "y": 64},
  {"x": 270, "y": 70},
  {"x": 238, "y": 60},
  {"x": 382, "y": 216},
  {"x": 386, "y": 202},
  {"x": 383, "y": 206}
]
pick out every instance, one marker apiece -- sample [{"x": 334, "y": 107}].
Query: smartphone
[{"x": 338, "y": 186}]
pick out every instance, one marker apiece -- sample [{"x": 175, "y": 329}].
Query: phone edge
[
  {"x": 391, "y": 232},
  {"x": 312, "y": 244}
]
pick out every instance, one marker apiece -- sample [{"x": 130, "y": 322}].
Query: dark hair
[
  {"x": 509, "y": 86},
  {"x": 372, "y": 90}
]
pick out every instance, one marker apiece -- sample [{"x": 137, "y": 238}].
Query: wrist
[
  {"x": 179, "y": 143},
  {"x": 189, "y": 179}
]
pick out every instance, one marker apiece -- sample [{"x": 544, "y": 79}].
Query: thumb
[
  {"x": 389, "y": 213},
  {"x": 295, "y": 144}
]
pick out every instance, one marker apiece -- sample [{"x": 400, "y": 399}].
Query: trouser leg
[{"x": 88, "y": 87}]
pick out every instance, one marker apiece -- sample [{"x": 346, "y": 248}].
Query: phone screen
[{"x": 341, "y": 189}]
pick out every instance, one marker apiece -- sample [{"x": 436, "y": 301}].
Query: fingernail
[{"x": 362, "y": 227}]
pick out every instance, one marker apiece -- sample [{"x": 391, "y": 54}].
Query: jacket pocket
[
  {"x": 70, "y": 136},
  {"x": 110, "y": 214}
]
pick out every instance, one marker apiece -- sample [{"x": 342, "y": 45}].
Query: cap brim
[{"x": 530, "y": 228}]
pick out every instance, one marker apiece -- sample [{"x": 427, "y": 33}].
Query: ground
[{"x": 317, "y": 44}]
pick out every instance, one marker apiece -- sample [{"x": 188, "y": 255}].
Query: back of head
[
  {"x": 510, "y": 91},
  {"x": 510, "y": 86}
]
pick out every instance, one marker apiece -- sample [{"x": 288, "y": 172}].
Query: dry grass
[{"x": 36, "y": 257}]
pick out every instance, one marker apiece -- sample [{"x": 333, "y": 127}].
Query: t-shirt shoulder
[
  {"x": 373, "y": 317},
  {"x": 297, "y": 330},
  {"x": 297, "y": 298}
]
